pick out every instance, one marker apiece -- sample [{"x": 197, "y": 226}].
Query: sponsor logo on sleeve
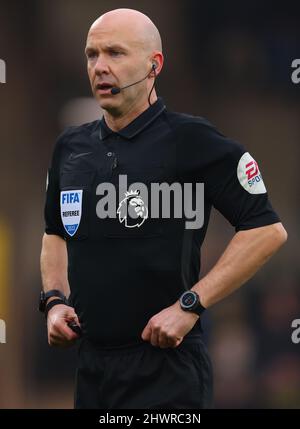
[{"x": 249, "y": 175}]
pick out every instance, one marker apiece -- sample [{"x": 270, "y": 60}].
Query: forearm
[
  {"x": 245, "y": 254},
  {"x": 54, "y": 263}
]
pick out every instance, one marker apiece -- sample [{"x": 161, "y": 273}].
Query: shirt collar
[{"x": 138, "y": 124}]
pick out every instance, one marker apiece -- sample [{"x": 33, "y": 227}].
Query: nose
[{"x": 101, "y": 66}]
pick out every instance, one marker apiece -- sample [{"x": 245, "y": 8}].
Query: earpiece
[{"x": 116, "y": 90}]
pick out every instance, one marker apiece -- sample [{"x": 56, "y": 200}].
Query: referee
[{"x": 131, "y": 270}]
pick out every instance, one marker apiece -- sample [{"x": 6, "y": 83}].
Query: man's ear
[{"x": 153, "y": 69}]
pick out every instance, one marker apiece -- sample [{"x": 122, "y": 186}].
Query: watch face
[{"x": 188, "y": 299}]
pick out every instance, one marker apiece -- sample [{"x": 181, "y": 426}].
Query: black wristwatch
[
  {"x": 189, "y": 301},
  {"x": 51, "y": 293}
]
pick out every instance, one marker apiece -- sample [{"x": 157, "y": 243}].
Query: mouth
[{"x": 104, "y": 88}]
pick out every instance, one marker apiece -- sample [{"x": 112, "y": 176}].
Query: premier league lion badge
[{"x": 132, "y": 210}]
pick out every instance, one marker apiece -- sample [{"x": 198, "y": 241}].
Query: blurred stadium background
[{"x": 229, "y": 61}]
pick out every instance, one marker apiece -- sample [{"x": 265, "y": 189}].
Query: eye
[
  {"x": 115, "y": 53},
  {"x": 91, "y": 55}
]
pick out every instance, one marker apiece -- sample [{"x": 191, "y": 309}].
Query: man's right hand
[{"x": 59, "y": 333}]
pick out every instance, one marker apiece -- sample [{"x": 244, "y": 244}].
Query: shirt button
[{"x": 109, "y": 154}]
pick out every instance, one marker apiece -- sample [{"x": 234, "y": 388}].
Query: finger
[
  {"x": 163, "y": 341},
  {"x": 68, "y": 333},
  {"x": 154, "y": 337},
  {"x": 62, "y": 331},
  {"x": 58, "y": 342},
  {"x": 171, "y": 342},
  {"x": 54, "y": 340},
  {"x": 77, "y": 320},
  {"x": 57, "y": 337},
  {"x": 146, "y": 334},
  {"x": 73, "y": 318},
  {"x": 178, "y": 341}
]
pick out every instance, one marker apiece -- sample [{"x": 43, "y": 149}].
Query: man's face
[{"x": 115, "y": 57}]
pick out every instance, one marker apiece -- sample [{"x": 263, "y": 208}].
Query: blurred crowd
[{"x": 228, "y": 61}]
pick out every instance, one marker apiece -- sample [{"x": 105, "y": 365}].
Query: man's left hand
[{"x": 168, "y": 328}]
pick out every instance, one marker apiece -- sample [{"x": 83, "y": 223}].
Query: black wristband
[
  {"x": 51, "y": 304},
  {"x": 49, "y": 294}
]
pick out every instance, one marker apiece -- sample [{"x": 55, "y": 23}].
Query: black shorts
[{"x": 143, "y": 377}]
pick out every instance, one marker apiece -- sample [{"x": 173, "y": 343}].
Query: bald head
[
  {"x": 122, "y": 47},
  {"x": 137, "y": 27}
]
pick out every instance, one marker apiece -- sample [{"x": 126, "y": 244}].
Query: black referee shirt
[{"x": 122, "y": 271}]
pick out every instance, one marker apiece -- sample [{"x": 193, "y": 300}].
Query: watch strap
[
  {"x": 49, "y": 294},
  {"x": 199, "y": 309}
]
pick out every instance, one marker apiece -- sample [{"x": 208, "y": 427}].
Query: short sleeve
[
  {"x": 233, "y": 183},
  {"x": 53, "y": 223}
]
